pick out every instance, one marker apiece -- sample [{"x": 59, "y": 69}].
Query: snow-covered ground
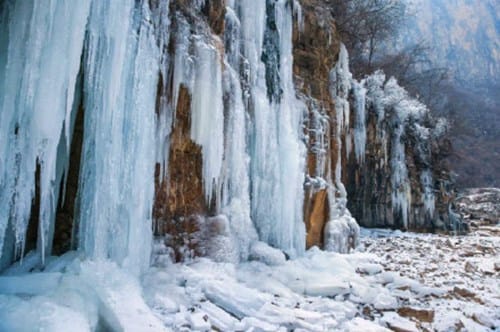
[
  {"x": 459, "y": 276},
  {"x": 394, "y": 280},
  {"x": 401, "y": 281}
]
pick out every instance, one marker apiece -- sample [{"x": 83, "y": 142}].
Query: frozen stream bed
[{"x": 397, "y": 281}]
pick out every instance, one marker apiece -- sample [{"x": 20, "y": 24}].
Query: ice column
[
  {"x": 292, "y": 150},
  {"x": 428, "y": 197},
  {"x": 118, "y": 159},
  {"x": 236, "y": 190},
  {"x": 341, "y": 231},
  {"x": 276, "y": 150},
  {"x": 359, "y": 130},
  {"x": 207, "y": 114},
  {"x": 403, "y": 110}
]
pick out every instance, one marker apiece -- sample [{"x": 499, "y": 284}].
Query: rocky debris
[
  {"x": 479, "y": 206},
  {"x": 450, "y": 282},
  {"x": 422, "y": 315},
  {"x": 469, "y": 267},
  {"x": 367, "y": 290},
  {"x": 465, "y": 293}
]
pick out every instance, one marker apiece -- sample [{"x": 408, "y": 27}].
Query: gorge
[{"x": 138, "y": 132}]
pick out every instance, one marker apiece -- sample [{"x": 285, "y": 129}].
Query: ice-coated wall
[
  {"x": 115, "y": 65},
  {"x": 102, "y": 57},
  {"x": 40, "y": 60},
  {"x": 394, "y": 178},
  {"x": 213, "y": 85}
]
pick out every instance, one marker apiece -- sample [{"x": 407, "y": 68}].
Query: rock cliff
[
  {"x": 228, "y": 125},
  {"x": 372, "y": 196}
]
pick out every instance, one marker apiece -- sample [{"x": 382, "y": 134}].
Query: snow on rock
[
  {"x": 409, "y": 288},
  {"x": 398, "y": 323},
  {"x": 479, "y": 206},
  {"x": 360, "y": 324},
  {"x": 445, "y": 282}
]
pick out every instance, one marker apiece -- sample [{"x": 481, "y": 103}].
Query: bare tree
[
  {"x": 364, "y": 25},
  {"x": 416, "y": 72}
]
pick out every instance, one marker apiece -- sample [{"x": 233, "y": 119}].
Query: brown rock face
[
  {"x": 180, "y": 206},
  {"x": 317, "y": 213},
  {"x": 315, "y": 51},
  {"x": 180, "y": 197},
  {"x": 316, "y": 47},
  {"x": 215, "y": 10}
]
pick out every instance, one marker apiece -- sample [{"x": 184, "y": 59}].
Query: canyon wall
[{"x": 217, "y": 126}]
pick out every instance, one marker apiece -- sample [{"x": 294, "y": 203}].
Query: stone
[{"x": 422, "y": 315}]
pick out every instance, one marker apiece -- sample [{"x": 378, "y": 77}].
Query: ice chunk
[
  {"x": 29, "y": 263},
  {"x": 121, "y": 304},
  {"x": 370, "y": 268},
  {"x": 30, "y": 284},
  {"x": 219, "y": 318},
  {"x": 341, "y": 234},
  {"x": 18, "y": 314},
  {"x": 262, "y": 252},
  {"x": 384, "y": 301},
  {"x": 238, "y": 300},
  {"x": 199, "y": 321},
  {"x": 360, "y": 324},
  {"x": 396, "y": 322}
]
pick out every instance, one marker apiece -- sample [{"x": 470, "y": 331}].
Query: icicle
[
  {"x": 359, "y": 131},
  {"x": 319, "y": 130},
  {"x": 342, "y": 77},
  {"x": 428, "y": 198},
  {"x": 183, "y": 64},
  {"x": 401, "y": 191},
  {"x": 36, "y": 105},
  {"x": 297, "y": 12},
  {"x": 207, "y": 113},
  {"x": 165, "y": 111}
]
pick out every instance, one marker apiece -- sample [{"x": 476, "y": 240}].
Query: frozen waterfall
[
  {"x": 109, "y": 66},
  {"x": 106, "y": 64}
]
